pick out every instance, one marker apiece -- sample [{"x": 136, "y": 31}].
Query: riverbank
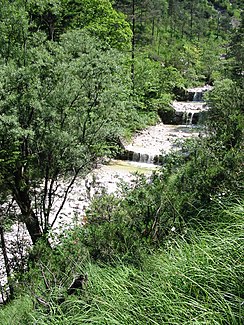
[{"x": 153, "y": 141}]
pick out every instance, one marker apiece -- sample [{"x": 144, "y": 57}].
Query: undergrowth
[{"x": 196, "y": 278}]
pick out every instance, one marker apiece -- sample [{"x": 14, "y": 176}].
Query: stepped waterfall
[{"x": 148, "y": 145}]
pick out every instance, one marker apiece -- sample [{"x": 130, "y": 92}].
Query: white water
[
  {"x": 159, "y": 138},
  {"x": 189, "y": 106},
  {"x": 199, "y": 89}
]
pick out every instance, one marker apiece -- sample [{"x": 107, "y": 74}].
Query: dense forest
[{"x": 79, "y": 77}]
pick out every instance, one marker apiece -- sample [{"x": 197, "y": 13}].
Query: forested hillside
[{"x": 79, "y": 77}]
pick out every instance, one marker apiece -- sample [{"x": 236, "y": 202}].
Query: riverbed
[{"x": 153, "y": 141}]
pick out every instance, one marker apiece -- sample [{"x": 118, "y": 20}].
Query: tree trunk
[
  {"x": 22, "y": 196},
  {"x": 191, "y": 21},
  {"x": 133, "y": 48},
  {"x": 6, "y": 262},
  {"x": 153, "y": 28},
  {"x": 32, "y": 224}
]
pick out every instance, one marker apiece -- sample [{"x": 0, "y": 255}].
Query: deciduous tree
[{"x": 57, "y": 109}]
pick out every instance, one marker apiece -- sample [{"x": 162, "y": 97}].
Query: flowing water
[{"x": 144, "y": 149}]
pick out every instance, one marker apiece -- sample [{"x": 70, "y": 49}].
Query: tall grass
[{"x": 196, "y": 279}]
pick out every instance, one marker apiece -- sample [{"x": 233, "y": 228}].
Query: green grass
[
  {"x": 196, "y": 279},
  {"x": 18, "y": 312}
]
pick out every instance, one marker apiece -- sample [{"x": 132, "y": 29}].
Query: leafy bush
[
  {"x": 197, "y": 278},
  {"x": 225, "y": 116}
]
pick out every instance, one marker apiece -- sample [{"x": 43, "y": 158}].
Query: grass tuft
[{"x": 197, "y": 279}]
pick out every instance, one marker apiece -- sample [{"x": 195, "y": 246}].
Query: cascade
[
  {"x": 197, "y": 97},
  {"x": 142, "y": 158},
  {"x": 135, "y": 156},
  {"x": 189, "y": 117},
  {"x": 150, "y": 145},
  {"x": 188, "y": 112}
]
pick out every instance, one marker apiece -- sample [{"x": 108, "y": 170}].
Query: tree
[
  {"x": 236, "y": 52},
  {"x": 226, "y": 122},
  {"x": 56, "y": 111},
  {"x": 102, "y": 21},
  {"x": 97, "y": 17},
  {"x": 47, "y": 16},
  {"x": 14, "y": 26}
]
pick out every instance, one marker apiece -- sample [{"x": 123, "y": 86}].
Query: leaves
[{"x": 56, "y": 113}]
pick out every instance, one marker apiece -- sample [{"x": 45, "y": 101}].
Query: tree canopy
[{"x": 58, "y": 105}]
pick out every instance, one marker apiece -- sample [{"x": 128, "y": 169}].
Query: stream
[{"x": 143, "y": 152}]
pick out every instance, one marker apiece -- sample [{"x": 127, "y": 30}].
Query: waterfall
[
  {"x": 197, "y": 97},
  {"x": 189, "y": 117},
  {"x": 142, "y": 158},
  {"x": 135, "y": 157},
  {"x": 185, "y": 114},
  {"x": 139, "y": 157}
]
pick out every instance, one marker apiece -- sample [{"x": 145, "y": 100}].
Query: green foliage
[
  {"x": 189, "y": 181},
  {"x": 124, "y": 228},
  {"x": 57, "y": 17},
  {"x": 214, "y": 168},
  {"x": 18, "y": 312},
  {"x": 235, "y": 53},
  {"x": 226, "y": 114},
  {"x": 57, "y": 110},
  {"x": 100, "y": 19},
  {"x": 109, "y": 26},
  {"x": 13, "y": 31},
  {"x": 154, "y": 83},
  {"x": 63, "y": 97},
  {"x": 205, "y": 170},
  {"x": 109, "y": 234},
  {"x": 209, "y": 67},
  {"x": 195, "y": 62},
  {"x": 187, "y": 35},
  {"x": 196, "y": 278},
  {"x": 212, "y": 171}
]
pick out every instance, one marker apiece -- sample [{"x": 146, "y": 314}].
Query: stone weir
[
  {"x": 139, "y": 157},
  {"x": 186, "y": 113},
  {"x": 190, "y": 110},
  {"x": 149, "y": 145}
]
